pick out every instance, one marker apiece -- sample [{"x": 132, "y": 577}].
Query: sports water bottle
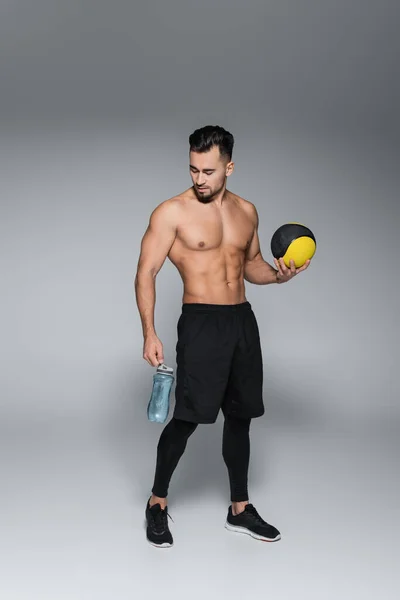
[{"x": 158, "y": 407}]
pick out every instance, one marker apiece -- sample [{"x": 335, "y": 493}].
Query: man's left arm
[{"x": 260, "y": 272}]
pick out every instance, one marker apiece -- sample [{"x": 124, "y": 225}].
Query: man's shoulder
[
  {"x": 174, "y": 203},
  {"x": 169, "y": 212},
  {"x": 169, "y": 208},
  {"x": 247, "y": 206}
]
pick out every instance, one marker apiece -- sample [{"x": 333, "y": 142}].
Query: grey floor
[{"x": 72, "y": 508}]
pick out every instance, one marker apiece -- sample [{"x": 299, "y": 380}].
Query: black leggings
[{"x": 235, "y": 452}]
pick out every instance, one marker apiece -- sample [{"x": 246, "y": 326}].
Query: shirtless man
[{"x": 210, "y": 235}]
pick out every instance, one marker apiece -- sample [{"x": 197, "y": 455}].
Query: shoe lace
[
  {"x": 257, "y": 518},
  {"x": 161, "y": 520}
]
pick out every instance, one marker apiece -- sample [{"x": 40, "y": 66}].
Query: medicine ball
[{"x": 293, "y": 241}]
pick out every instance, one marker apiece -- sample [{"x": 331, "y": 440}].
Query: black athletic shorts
[{"x": 219, "y": 363}]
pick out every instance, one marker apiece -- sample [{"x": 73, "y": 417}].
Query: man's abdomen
[{"x": 215, "y": 293}]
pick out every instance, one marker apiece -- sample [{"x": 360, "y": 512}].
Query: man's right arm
[{"x": 155, "y": 246}]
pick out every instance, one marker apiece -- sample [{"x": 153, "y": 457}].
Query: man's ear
[{"x": 229, "y": 168}]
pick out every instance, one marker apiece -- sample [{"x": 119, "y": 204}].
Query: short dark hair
[{"x": 203, "y": 139}]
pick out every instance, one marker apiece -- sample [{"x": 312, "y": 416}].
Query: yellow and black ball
[{"x": 293, "y": 241}]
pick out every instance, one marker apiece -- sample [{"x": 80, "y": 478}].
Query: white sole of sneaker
[
  {"x": 160, "y": 545},
  {"x": 256, "y": 536}
]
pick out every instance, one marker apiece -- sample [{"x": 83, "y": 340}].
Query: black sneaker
[
  {"x": 158, "y": 533},
  {"x": 250, "y": 522}
]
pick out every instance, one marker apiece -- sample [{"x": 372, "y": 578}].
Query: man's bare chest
[{"x": 209, "y": 231}]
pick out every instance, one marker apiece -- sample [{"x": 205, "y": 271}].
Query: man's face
[{"x": 208, "y": 171}]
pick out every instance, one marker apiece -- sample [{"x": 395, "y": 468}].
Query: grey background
[{"x": 97, "y": 103}]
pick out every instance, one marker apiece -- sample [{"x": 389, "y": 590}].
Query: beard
[{"x": 204, "y": 197}]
